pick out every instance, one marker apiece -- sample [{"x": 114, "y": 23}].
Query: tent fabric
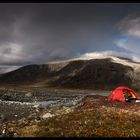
[{"x": 118, "y": 94}]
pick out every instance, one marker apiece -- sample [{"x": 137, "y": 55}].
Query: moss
[{"x": 101, "y": 119}]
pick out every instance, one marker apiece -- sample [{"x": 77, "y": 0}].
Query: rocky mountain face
[{"x": 103, "y": 73}]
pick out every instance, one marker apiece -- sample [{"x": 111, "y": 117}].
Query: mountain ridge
[{"x": 82, "y": 73}]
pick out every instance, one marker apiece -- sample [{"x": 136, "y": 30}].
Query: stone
[
  {"x": 29, "y": 94},
  {"x": 47, "y": 115},
  {"x": 2, "y": 117}
]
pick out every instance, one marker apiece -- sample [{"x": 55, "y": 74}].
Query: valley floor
[{"x": 68, "y": 113}]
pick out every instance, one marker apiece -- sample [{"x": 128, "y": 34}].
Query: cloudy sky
[{"x": 39, "y": 33}]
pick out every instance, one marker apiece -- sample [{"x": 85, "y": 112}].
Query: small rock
[
  {"x": 37, "y": 119},
  {"x": 31, "y": 116},
  {"x": 15, "y": 134},
  {"x": 62, "y": 134},
  {"x": 2, "y": 117},
  {"x": 29, "y": 94},
  {"x": 47, "y": 115},
  {"x": 36, "y": 106}
]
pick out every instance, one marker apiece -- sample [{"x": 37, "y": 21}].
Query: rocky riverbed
[{"x": 17, "y": 101}]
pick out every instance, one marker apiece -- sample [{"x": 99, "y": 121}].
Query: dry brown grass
[{"x": 93, "y": 119}]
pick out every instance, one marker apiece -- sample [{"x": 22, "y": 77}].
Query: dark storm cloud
[{"x": 38, "y": 33}]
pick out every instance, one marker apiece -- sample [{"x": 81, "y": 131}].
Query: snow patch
[{"x": 107, "y": 54}]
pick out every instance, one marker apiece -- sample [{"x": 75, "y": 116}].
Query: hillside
[{"x": 90, "y": 73}]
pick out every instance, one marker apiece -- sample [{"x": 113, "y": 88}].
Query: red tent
[{"x": 118, "y": 94}]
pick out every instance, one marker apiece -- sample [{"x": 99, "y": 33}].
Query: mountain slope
[{"x": 97, "y": 73}]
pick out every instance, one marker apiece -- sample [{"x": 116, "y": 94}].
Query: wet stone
[{"x": 2, "y": 117}]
